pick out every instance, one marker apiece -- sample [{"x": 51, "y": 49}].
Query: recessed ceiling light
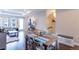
[{"x": 27, "y": 12}]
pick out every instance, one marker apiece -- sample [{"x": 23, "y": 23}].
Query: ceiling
[
  {"x": 63, "y": 10},
  {"x": 20, "y": 12}
]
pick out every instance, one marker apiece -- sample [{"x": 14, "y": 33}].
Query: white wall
[{"x": 67, "y": 22}]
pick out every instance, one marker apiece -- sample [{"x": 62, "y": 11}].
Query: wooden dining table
[{"x": 45, "y": 39}]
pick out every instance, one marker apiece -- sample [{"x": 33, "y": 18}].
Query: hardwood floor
[
  {"x": 66, "y": 47},
  {"x": 76, "y": 47}
]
